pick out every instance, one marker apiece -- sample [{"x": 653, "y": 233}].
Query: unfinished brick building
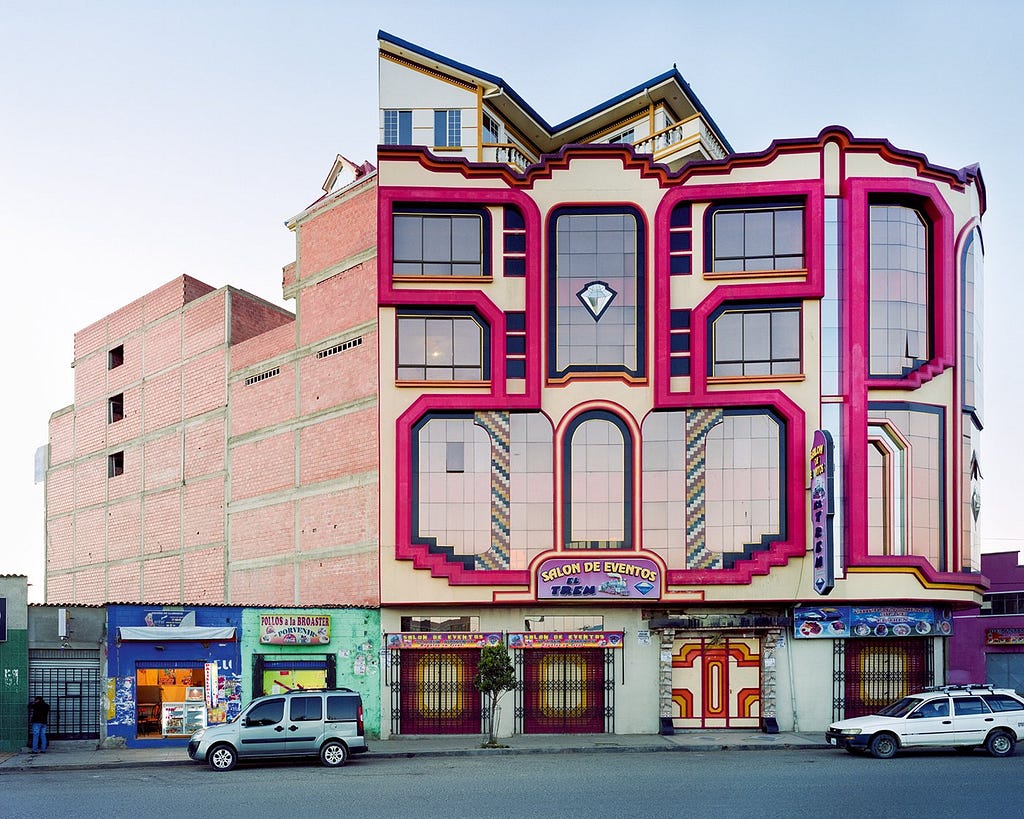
[{"x": 200, "y": 461}]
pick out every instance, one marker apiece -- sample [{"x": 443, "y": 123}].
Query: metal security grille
[
  {"x": 870, "y": 674},
  {"x": 432, "y": 692},
  {"x": 566, "y": 691},
  {"x": 69, "y": 680}
]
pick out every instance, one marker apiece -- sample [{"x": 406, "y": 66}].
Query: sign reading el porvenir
[{"x": 295, "y": 629}]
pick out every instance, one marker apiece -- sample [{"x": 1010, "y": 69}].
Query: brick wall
[{"x": 335, "y": 233}]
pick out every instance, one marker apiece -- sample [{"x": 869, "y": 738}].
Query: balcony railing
[
  {"x": 506, "y": 153},
  {"x": 680, "y": 135}
]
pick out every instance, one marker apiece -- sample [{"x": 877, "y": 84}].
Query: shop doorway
[
  {"x": 716, "y": 682},
  {"x": 565, "y": 691},
  {"x": 169, "y": 702},
  {"x": 436, "y": 694},
  {"x": 69, "y": 680},
  {"x": 870, "y": 674},
  {"x": 1005, "y": 671}
]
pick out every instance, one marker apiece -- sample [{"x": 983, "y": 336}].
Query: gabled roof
[{"x": 669, "y": 87}]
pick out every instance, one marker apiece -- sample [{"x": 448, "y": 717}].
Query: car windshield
[{"x": 900, "y": 708}]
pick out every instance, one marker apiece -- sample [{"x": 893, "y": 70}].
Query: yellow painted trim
[
  {"x": 756, "y": 274},
  {"x": 437, "y": 75},
  {"x": 746, "y": 379},
  {"x": 914, "y": 571}
]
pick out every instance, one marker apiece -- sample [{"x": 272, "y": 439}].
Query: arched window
[{"x": 598, "y": 482}]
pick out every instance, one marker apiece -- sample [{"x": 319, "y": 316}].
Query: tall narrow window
[
  {"x": 598, "y": 480},
  {"x": 492, "y": 129},
  {"x": 448, "y": 128},
  {"x": 397, "y": 127},
  {"x": 115, "y": 408},
  {"x": 900, "y": 291},
  {"x": 115, "y": 464},
  {"x": 115, "y": 357},
  {"x": 596, "y": 283}
]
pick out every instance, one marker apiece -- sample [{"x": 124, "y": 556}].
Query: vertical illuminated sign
[{"x": 822, "y": 509}]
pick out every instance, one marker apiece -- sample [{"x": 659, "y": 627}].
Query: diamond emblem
[
  {"x": 596, "y": 296},
  {"x": 643, "y": 587}
]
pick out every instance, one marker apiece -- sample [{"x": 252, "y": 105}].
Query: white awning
[{"x": 159, "y": 633}]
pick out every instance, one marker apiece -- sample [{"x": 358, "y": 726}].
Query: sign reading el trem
[
  {"x": 295, "y": 629},
  {"x": 599, "y": 578},
  {"x": 821, "y": 512}
]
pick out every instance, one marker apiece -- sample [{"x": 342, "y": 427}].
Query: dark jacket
[{"x": 39, "y": 711}]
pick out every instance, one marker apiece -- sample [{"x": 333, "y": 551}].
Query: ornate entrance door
[{"x": 716, "y": 682}]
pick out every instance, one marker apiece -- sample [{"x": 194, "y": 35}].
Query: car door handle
[
  {"x": 947, "y": 722},
  {"x": 279, "y": 728},
  {"x": 293, "y": 727}
]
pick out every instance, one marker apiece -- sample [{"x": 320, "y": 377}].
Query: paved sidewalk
[{"x": 84, "y": 755}]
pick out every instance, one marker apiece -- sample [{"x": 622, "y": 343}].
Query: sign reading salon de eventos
[{"x": 598, "y": 578}]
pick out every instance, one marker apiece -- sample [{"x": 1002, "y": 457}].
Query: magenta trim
[{"x": 390, "y": 295}]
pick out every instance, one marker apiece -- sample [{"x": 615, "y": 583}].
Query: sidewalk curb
[{"x": 23, "y": 763}]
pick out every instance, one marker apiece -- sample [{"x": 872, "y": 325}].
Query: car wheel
[
  {"x": 883, "y": 746},
  {"x": 1000, "y": 743},
  {"x": 222, "y": 757},
  {"x": 333, "y": 754}
]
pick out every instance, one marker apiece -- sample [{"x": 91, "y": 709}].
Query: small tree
[{"x": 494, "y": 676}]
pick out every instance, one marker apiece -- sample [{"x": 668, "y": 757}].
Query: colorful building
[
  {"x": 988, "y": 640},
  {"x": 692, "y": 432}
]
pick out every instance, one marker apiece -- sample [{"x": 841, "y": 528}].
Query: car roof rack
[{"x": 965, "y": 687}]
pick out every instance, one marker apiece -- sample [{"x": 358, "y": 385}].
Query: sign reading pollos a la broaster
[{"x": 598, "y": 578}]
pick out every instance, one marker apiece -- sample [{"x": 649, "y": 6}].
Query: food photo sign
[{"x": 816, "y": 622}]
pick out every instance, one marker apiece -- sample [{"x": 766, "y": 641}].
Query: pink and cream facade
[{"x": 693, "y": 432}]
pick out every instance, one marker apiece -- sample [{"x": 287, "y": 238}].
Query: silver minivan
[{"x": 324, "y": 723}]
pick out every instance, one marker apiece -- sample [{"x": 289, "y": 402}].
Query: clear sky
[{"x": 144, "y": 140}]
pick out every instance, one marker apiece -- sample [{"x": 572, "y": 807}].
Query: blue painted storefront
[{"x": 160, "y": 663}]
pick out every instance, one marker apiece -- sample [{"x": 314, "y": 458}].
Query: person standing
[{"x": 39, "y": 715}]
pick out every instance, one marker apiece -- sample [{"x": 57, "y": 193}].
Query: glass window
[
  {"x": 440, "y": 348},
  {"x": 1003, "y": 702},
  {"x": 397, "y": 127},
  {"x": 595, "y": 284},
  {"x": 765, "y": 238},
  {"x": 756, "y": 342},
  {"x": 342, "y": 708},
  {"x": 448, "y": 128},
  {"x": 438, "y": 244},
  {"x": 270, "y": 712},
  {"x": 969, "y": 706},
  {"x": 933, "y": 708},
  {"x": 303, "y": 709},
  {"x": 900, "y": 297},
  {"x": 972, "y": 321},
  {"x": 492, "y": 129},
  {"x": 598, "y": 486}
]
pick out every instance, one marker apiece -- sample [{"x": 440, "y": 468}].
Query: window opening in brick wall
[
  {"x": 115, "y": 357},
  {"x": 340, "y": 348},
  {"x": 115, "y": 408},
  {"x": 115, "y": 464},
  {"x": 255, "y": 379}
]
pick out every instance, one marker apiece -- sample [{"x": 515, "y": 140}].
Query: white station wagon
[{"x": 960, "y": 716}]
